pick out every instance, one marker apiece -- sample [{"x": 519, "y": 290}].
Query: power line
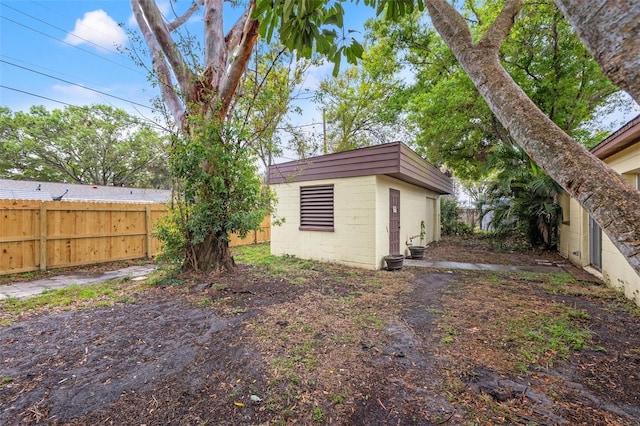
[
  {"x": 76, "y": 84},
  {"x": 133, "y": 121},
  {"x": 37, "y": 96},
  {"x": 35, "y": 66},
  {"x": 69, "y": 44},
  {"x": 57, "y": 28}
]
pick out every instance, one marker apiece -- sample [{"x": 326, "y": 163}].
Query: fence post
[
  {"x": 147, "y": 229},
  {"x": 43, "y": 236}
]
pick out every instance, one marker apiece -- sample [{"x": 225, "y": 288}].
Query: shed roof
[
  {"x": 393, "y": 159},
  {"x": 622, "y": 138},
  {"x": 33, "y": 190}
]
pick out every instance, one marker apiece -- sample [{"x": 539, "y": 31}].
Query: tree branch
[
  {"x": 500, "y": 28},
  {"x": 239, "y": 61},
  {"x": 215, "y": 54},
  {"x": 171, "y": 98},
  {"x": 609, "y": 29},
  {"x": 451, "y": 25},
  {"x": 155, "y": 22},
  {"x": 182, "y": 19}
]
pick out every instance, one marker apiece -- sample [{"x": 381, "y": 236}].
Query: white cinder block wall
[
  {"x": 353, "y": 240},
  {"x": 361, "y": 219}
]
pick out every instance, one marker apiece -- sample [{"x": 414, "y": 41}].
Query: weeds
[
  {"x": 317, "y": 415},
  {"x": 541, "y": 338},
  {"x": 296, "y": 271},
  {"x": 95, "y": 295}
]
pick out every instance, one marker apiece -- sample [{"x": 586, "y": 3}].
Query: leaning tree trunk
[
  {"x": 603, "y": 193},
  {"x": 610, "y": 30}
]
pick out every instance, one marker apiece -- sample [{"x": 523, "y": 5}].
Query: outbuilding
[{"x": 355, "y": 207}]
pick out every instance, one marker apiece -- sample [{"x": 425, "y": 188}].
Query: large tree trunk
[
  {"x": 610, "y": 29},
  {"x": 210, "y": 255},
  {"x": 603, "y": 193}
]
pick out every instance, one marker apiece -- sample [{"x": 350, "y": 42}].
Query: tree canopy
[
  {"x": 97, "y": 144},
  {"x": 452, "y": 123}
]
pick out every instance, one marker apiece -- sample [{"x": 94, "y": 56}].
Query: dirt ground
[{"x": 299, "y": 342}]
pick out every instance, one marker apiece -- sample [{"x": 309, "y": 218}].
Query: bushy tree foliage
[
  {"x": 452, "y": 122},
  {"x": 211, "y": 206},
  {"x": 97, "y": 144}
]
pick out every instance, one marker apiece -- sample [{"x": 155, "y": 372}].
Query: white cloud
[
  {"x": 78, "y": 94},
  {"x": 315, "y": 74},
  {"x": 97, "y": 28}
]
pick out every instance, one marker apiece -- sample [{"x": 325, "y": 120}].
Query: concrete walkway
[
  {"x": 21, "y": 290},
  {"x": 541, "y": 267}
]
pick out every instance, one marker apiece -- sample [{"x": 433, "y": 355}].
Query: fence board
[{"x": 37, "y": 234}]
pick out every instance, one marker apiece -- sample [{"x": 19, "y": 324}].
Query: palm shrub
[{"x": 522, "y": 198}]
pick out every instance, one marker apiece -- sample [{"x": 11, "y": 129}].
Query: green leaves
[
  {"x": 317, "y": 26},
  {"x": 93, "y": 145},
  {"x": 219, "y": 190}
]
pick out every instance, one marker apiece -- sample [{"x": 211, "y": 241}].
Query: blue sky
[{"x": 50, "y": 48}]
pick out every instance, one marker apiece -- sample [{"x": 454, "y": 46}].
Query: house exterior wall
[
  {"x": 574, "y": 234},
  {"x": 353, "y": 240},
  {"x": 416, "y": 204},
  {"x": 361, "y": 219}
]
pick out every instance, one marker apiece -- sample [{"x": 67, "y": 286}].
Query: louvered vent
[{"x": 316, "y": 208}]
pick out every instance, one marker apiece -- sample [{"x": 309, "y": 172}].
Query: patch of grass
[
  {"x": 291, "y": 268},
  {"x": 338, "y": 398},
  {"x": 343, "y": 338},
  {"x": 219, "y": 287},
  {"x": 557, "y": 282},
  {"x": 350, "y": 297},
  {"x": 447, "y": 339},
  {"x": 544, "y": 337},
  {"x": 377, "y": 322},
  {"x": 372, "y": 283},
  {"x": 435, "y": 311},
  {"x": 5, "y": 381},
  {"x": 102, "y": 294},
  {"x": 167, "y": 276}
]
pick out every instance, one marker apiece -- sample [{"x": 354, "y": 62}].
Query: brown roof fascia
[
  {"x": 622, "y": 138},
  {"x": 392, "y": 159}
]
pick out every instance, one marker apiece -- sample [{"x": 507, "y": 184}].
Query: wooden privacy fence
[{"x": 53, "y": 234}]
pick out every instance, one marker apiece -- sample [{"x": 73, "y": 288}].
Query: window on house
[
  {"x": 316, "y": 208},
  {"x": 565, "y": 204}
]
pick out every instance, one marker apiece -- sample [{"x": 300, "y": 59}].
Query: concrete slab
[
  {"x": 26, "y": 289},
  {"x": 483, "y": 266}
]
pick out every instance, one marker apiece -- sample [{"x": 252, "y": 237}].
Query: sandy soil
[{"x": 325, "y": 344}]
